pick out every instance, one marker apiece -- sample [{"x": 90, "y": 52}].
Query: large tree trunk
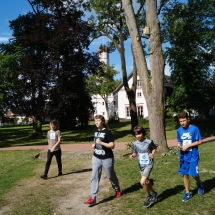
[
  {"x": 132, "y": 95},
  {"x": 153, "y": 83},
  {"x": 131, "y": 92}
]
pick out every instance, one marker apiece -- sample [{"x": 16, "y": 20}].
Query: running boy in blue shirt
[
  {"x": 145, "y": 150},
  {"x": 189, "y": 137}
]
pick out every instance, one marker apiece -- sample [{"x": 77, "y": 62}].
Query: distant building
[
  {"x": 118, "y": 101},
  {"x": 21, "y": 118}
]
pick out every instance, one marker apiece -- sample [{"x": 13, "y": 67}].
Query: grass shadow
[
  {"x": 78, "y": 171},
  {"x": 132, "y": 188},
  {"x": 208, "y": 185},
  {"x": 170, "y": 192}
]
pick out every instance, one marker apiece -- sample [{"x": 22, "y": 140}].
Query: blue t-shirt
[{"x": 187, "y": 136}]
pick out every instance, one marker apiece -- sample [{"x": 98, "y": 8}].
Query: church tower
[{"x": 103, "y": 54}]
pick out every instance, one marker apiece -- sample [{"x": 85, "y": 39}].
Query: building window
[
  {"x": 138, "y": 83},
  {"x": 140, "y": 111},
  {"x": 103, "y": 113},
  {"x": 128, "y": 112},
  {"x": 114, "y": 103},
  {"x": 139, "y": 94},
  {"x": 103, "y": 103}
]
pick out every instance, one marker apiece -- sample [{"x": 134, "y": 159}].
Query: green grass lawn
[
  {"x": 18, "y": 169},
  {"x": 21, "y": 135}
]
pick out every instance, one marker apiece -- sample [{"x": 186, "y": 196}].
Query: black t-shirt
[{"x": 100, "y": 151}]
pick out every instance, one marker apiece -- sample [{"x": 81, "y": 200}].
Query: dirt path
[{"x": 68, "y": 192}]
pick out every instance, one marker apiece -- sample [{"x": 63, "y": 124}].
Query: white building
[
  {"x": 123, "y": 109},
  {"x": 118, "y": 101}
]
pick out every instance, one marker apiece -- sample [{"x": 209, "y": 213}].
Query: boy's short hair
[
  {"x": 183, "y": 114},
  {"x": 139, "y": 130},
  {"x": 54, "y": 122}
]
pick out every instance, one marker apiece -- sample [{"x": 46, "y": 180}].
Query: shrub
[{"x": 171, "y": 123}]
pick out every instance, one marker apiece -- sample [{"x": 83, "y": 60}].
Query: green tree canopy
[
  {"x": 190, "y": 31},
  {"x": 55, "y": 63}
]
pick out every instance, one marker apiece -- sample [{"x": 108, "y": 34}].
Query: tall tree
[
  {"x": 103, "y": 84},
  {"x": 54, "y": 40},
  {"x": 109, "y": 22},
  {"x": 11, "y": 93},
  {"x": 153, "y": 83},
  {"x": 190, "y": 31}
]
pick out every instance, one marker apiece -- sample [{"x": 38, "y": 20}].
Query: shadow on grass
[
  {"x": 208, "y": 185},
  {"x": 132, "y": 188},
  {"x": 19, "y": 136},
  {"x": 79, "y": 171},
  {"x": 170, "y": 192}
]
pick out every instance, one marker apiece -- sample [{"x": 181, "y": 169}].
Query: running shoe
[
  {"x": 186, "y": 197},
  {"x": 149, "y": 201},
  {"x": 90, "y": 201},
  {"x": 118, "y": 193},
  {"x": 200, "y": 188}
]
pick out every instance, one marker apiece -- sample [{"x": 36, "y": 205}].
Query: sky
[{"x": 11, "y": 9}]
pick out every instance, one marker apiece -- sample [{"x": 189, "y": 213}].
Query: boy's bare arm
[
  {"x": 133, "y": 155},
  {"x": 56, "y": 144},
  {"x": 151, "y": 155},
  {"x": 185, "y": 147}
]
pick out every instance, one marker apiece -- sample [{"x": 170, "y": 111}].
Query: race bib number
[
  {"x": 143, "y": 158},
  {"x": 52, "y": 136},
  {"x": 187, "y": 142}
]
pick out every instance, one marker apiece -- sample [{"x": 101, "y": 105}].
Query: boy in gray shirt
[
  {"x": 145, "y": 150},
  {"x": 54, "y": 138}
]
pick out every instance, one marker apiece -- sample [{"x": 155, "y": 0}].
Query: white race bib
[
  {"x": 143, "y": 158},
  {"x": 187, "y": 142},
  {"x": 52, "y": 136}
]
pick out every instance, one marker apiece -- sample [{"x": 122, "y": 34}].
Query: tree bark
[
  {"x": 153, "y": 83},
  {"x": 131, "y": 92}
]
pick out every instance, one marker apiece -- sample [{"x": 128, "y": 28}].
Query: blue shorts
[{"x": 189, "y": 168}]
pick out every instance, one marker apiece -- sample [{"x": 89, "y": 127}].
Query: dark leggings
[{"x": 49, "y": 160}]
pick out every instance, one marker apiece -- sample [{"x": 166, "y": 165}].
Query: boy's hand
[
  {"x": 184, "y": 148},
  {"x": 151, "y": 155},
  {"x": 98, "y": 141},
  {"x": 131, "y": 157}
]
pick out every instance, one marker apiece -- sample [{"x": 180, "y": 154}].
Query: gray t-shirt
[
  {"x": 143, "y": 149},
  {"x": 53, "y": 138}
]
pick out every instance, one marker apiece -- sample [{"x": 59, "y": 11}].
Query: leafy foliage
[
  {"x": 190, "y": 31},
  {"x": 55, "y": 63}
]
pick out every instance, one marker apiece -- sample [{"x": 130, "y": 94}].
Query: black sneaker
[
  {"x": 154, "y": 197},
  {"x": 149, "y": 201},
  {"x": 60, "y": 173},
  {"x": 43, "y": 176}
]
